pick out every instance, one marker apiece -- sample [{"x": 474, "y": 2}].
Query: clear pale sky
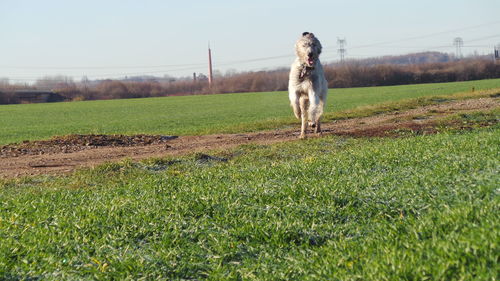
[{"x": 117, "y": 38}]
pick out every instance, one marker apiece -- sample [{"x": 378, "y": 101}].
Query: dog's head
[{"x": 308, "y": 48}]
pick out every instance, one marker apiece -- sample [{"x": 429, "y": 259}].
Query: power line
[
  {"x": 194, "y": 65},
  {"x": 425, "y": 35},
  {"x": 484, "y": 38},
  {"x": 95, "y": 76},
  {"x": 99, "y": 67}
]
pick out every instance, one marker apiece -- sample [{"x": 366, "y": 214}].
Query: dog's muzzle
[{"x": 310, "y": 59}]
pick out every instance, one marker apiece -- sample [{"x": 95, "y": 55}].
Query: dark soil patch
[
  {"x": 393, "y": 130},
  {"x": 74, "y": 143}
]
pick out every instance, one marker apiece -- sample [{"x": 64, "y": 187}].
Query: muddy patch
[
  {"x": 392, "y": 130},
  {"x": 74, "y": 143}
]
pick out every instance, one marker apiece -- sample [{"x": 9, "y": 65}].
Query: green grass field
[
  {"x": 415, "y": 208},
  {"x": 194, "y": 114}
]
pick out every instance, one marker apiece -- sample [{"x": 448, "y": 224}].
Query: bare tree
[{"x": 54, "y": 82}]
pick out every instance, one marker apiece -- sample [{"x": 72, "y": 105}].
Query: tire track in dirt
[{"x": 57, "y": 161}]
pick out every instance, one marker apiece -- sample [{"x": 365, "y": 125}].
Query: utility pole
[
  {"x": 458, "y": 42},
  {"x": 210, "y": 78},
  {"x": 496, "y": 54},
  {"x": 341, "y": 50},
  {"x": 85, "y": 82}
]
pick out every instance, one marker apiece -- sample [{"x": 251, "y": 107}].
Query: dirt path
[{"x": 65, "y": 154}]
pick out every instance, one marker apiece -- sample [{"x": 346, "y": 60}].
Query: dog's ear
[{"x": 305, "y": 33}]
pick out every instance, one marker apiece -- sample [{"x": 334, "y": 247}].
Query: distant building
[{"x": 36, "y": 96}]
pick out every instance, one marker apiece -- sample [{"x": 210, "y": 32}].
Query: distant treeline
[
  {"x": 349, "y": 74},
  {"x": 353, "y": 75}
]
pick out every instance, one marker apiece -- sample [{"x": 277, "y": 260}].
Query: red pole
[{"x": 210, "y": 78}]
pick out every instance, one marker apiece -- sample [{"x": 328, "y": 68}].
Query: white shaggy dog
[{"x": 307, "y": 86}]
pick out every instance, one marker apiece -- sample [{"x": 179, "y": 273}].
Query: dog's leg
[
  {"x": 304, "y": 104},
  {"x": 317, "y": 130},
  {"x": 321, "y": 105},
  {"x": 315, "y": 110},
  {"x": 296, "y": 108},
  {"x": 294, "y": 100}
]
